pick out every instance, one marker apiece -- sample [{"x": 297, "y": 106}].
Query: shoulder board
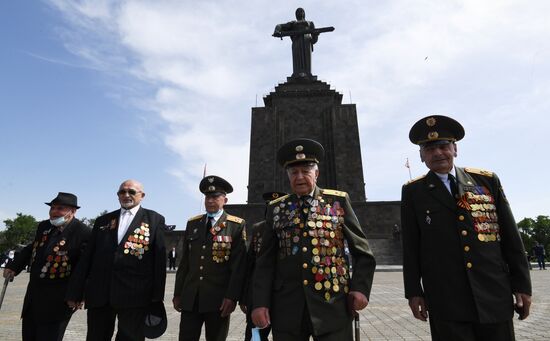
[
  {"x": 196, "y": 217},
  {"x": 334, "y": 192},
  {"x": 416, "y": 179},
  {"x": 279, "y": 199},
  {"x": 479, "y": 171},
  {"x": 235, "y": 219}
]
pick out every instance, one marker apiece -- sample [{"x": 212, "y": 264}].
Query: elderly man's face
[
  {"x": 214, "y": 202},
  {"x": 130, "y": 194},
  {"x": 303, "y": 178},
  {"x": 57, "y": 211},
  {"x": 439, "y": 158}
]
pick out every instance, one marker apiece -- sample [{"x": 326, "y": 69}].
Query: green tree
[
  {"x": 90, "y": 221},
  {"x": 18, "y": 231},
  {"x": 535, "y": 230}
]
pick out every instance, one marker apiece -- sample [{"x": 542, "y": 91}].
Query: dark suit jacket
[
  {"x": 251, "y": 254},
  {"x": 199, "y": 276},
  {"x": 128, "y": 274},
  {"x": 462, "y": 275},
  {"x": 284, "y": 278},
  {"x": 54, "y": 257}
]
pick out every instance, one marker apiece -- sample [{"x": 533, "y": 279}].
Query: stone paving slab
[{"x": 387, "y": 317}]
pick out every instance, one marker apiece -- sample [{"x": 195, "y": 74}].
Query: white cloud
[{"x": 486, "y": 63}]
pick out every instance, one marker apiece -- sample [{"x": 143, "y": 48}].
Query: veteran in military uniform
[
  {"x": 463, "y": 258},
  {"x": 123, "y": 270},
  {"x": 253, "y": 249},
  {"x": 302, "y": 284},
  {"x": 211, "y": 272},
  {"x": 53, "y": 257}
]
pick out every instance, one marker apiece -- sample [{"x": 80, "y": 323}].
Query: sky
[{"x": 96, "y": 92}]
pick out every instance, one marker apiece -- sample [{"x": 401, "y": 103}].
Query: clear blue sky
[{"x": 95, "y": 92}]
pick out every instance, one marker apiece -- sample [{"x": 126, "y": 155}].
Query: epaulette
[
  {"x": 479, "y": 171},
  {"x": 334, "y": 192},
  {"x": 195, "y": 217},
  {"x": 235, "y": 219},
  {"x": 279, "y": 199},
  {"x": 416, "y": 179}
]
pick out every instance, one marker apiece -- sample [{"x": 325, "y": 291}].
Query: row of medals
[
  {"x": 220, "y": 250},
  {"x": 480, "y": 203},
  {"x": 138, "y": 242},
  {"x": 328, "y": 264},
  {"x": 57, "y": 264}
]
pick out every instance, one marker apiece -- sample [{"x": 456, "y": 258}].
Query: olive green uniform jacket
[
  {"x": 302, "y": 262},
  {"x": 212, "y": 265},
  {"x": 464, "y": 256}
]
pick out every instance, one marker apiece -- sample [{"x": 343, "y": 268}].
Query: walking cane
[
  {"x": 6, "y": 281},
  {"x": 357, "y": 329}
]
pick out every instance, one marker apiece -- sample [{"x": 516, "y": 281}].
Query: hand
[
  {"x": 227, "y": 307},
  {"x": 260, "y": 317},
  {"x": 523, "y": 305},
  {"x": 74, "y": 305},
  {"x": 9, "y": 273},
  {"x": 243, "y": 308},
  {"x": 356, "y": 301},
  {"x": 176, "y": 301},
  {"x": 418, "y": 307}
]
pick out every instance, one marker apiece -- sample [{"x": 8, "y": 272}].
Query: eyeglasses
[{"x": 131, "y": 192}]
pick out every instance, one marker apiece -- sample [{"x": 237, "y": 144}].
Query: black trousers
[
  {"x": 344, "y": 334},
  {"x": 191, "y": 322},
  {"x": 470, "y": 331},
  {"x": 43, "y": 331},
  {"x": 101, "y": 324}
]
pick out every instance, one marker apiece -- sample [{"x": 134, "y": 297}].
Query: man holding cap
[
  {"x": 123, "y": 270},
  {"x": 53, "y": 257},
  {"x": 302, "y": 284},
  {"x": 463, "y": 258},
  {"x": 211, "y": 272}
]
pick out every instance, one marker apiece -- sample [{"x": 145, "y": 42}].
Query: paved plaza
[{"x": 386, "y": 318}]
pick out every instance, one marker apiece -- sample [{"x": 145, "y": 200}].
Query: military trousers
[
  {"x": 343, "y": 334},
  {"x": 34, "y": 330},
  {"x": 101, "y": 324},
  {"x": 471, "y": 331},
  {"x": 191, "y": 322}
]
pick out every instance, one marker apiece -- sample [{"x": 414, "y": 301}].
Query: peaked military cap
[
  {"x": 215, "y": 184},
  {"x": 436, "y": 129},
  {"x": 269, "y": 196},
  {"x": 300, "y": 151},
  {"x": 62, "y": 198}
]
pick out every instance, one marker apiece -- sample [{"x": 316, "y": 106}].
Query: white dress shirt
[
  {"x": 125, "y": 219},
  {"x": 445, "y": 179}
]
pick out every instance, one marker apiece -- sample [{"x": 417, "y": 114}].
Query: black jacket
[
  {"x": 128, "y": 274},
  {"x": 465, "y": 257},
  {"x": 53, "y": 258}
]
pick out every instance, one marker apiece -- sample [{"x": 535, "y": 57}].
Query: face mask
[{"x": 58, "y": 221}]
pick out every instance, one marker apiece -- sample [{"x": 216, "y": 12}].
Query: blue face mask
[{"x": 58, "y": 221}]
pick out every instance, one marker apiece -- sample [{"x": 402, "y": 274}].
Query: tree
[
  {"x": 90, "y": 221},
  {"x": 535, "y": 230},
  {"x": 18, "y": 231}
]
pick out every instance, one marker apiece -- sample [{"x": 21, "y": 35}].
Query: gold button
[
  {"x": 204, "y": 246},
  {"x": 464, "y": 232},
  {"x": 202, "y": 257},
  {"x": 305, "y": 234},
  {"x": 461, "y": 217},
  {"x": 304, "y": 265},
  {"x": 304, "y": 249},
  {"x": 466, "y": 248},
  {"x": 200, "y": 278},
  {"x": 305, "y": 281},
  {"x": 469, "y": 265},
  {"x": 200, "y": 267}
]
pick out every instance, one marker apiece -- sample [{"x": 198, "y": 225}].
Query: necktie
[{"x": 454, "y": 187}]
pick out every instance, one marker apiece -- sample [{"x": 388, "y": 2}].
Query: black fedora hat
[
  {"x": 62, "y": 198},
  {"x": 155, "y": 320}
]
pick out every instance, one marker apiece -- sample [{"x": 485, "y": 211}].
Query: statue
[{"x": 303, "y": 34}]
